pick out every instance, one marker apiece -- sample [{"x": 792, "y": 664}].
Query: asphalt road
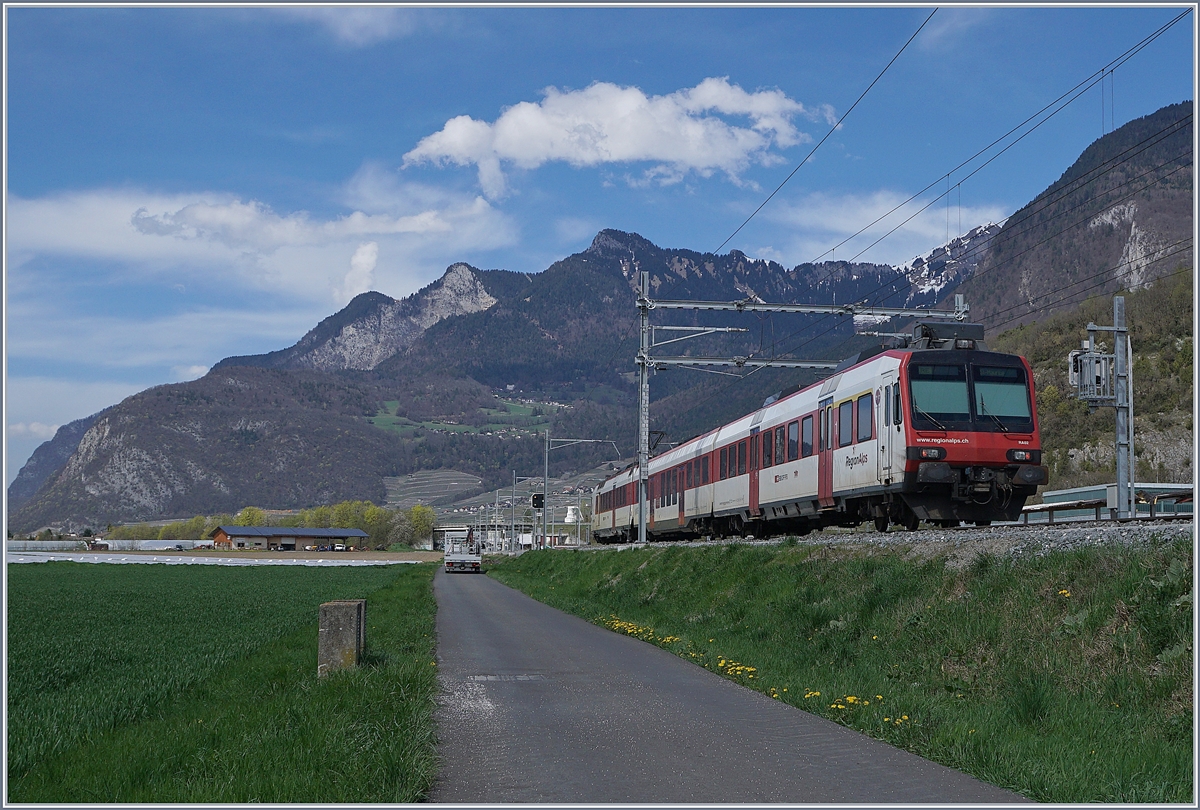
[{"x": 540, "y": 706}]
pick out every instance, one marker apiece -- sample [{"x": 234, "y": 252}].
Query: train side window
[
  {"x": 824, "y": 429},
  {"x": 793, "y": 441},
  {"x": 866, "y": 418},
  {"x": 780, "y": 444},
  {"x": 687, "y": 467},
  {"x": 897, "y": 414},
  {"x": 887, "y": 406},
  {"x": 846, "y": 423},
  {"x": 768, "y": 441},
  {"x": 724, "y": 458},
  {"x": 806, "y": 437},
  {"x": 704, "y": 462},
  {"x": 741, "y": 458},
  {"x": 753, "y": 452},
  {"x": 674, "y": 485}
]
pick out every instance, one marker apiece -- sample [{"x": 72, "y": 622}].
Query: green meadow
[
  {"x": 197, "y": 684},
  {"x": 1066, "y": 678}
]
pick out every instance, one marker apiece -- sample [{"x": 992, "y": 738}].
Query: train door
[
  {"x": 754, "y": 464},
  {"x": 825, "y": 455},
  {"x": 883, "y": 418},
  {"x": 685, "y": 484}
]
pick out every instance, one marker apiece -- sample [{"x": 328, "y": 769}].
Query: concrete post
[{"x": 341, "y": 635}]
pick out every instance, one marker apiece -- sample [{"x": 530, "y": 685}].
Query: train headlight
[
  {"x": 964, "y": 344},
  {"x": 926, "y": 453},
  {"x": 1027, "y": 456}
]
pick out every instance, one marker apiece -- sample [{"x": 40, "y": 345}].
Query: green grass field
[
  {"x": 197, "y": 684},
  {"x": 1066, "y": 678}
]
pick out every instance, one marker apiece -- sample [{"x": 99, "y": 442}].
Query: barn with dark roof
[{"x": 282, "y": 538}]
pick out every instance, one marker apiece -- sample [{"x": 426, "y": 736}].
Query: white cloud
[
  {"x": 362, "y": 269},
  {"x": 205, "y": 236},
  {"x": 823, "y": 220},
  {"x": 185, "y": 373},
  {"x": 35, "y": 430},
  {"x": 360, "y": 26},
  {"x": 948, "y": 26},
  {"x": 604, "y": 123}
]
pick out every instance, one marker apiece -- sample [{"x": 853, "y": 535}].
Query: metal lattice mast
[
  {"x": 1124, "y": 392},
  {"x": 1106, "y": 380},
  {"x": 643, "y": 361}
]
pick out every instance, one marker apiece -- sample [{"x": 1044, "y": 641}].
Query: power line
[
  {"x": 827, "y": 134},
  {"x": 1085, "y": 84},
  {"x": 1175, "y": 248},
  {"x": 800, "y": 345}
]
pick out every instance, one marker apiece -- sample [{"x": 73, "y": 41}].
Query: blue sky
[{"x": 185, "y": 184}]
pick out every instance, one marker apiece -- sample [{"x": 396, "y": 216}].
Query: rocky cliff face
[
  {"x": 47, "y": 460},
  {"x": 373, "y": 326},
  {"x": 1119, "y": 218}
]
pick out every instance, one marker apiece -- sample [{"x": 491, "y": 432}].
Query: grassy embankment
[
  {"x": 196, "y": 684},
  {"x": 1066, "y": 678}
]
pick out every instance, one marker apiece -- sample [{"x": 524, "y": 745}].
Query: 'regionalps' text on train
[{"x": 942, "y": 430}]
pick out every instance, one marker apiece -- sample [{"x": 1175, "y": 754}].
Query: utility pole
[
  {"x": 646, "y": 362},
  {"x": 1106, "y": 380},
  {"x": 643, "y": 361}
]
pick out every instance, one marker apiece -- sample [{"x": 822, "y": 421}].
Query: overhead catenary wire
[
  {"x": 832, "y": 327},
  {"x": 1072, "y": 93},
  {"x": 902, "y": 276},
  {"x": 832, "y": 130},
  {"x": 1179, "y": 247},
  {"x": 1085, "y": 84}
]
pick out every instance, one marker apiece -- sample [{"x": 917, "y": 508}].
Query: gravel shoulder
[{"x": 963, "y": 544}]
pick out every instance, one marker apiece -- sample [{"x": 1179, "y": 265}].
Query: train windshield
[
  {"x": 1002, "y": 397},
  {"x": 961, "y": 397},
  {"x": 939, "y": 396}
]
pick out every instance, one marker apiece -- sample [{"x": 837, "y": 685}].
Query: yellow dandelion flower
[
  {"x": 904, "y": 717},
  {"x": 1065, "y": 593},
  {"x": 879, "y": 697},
  {"x": 887, "y": 719}
]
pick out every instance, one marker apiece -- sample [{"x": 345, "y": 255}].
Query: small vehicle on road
[{"x": 463, "y": 552}]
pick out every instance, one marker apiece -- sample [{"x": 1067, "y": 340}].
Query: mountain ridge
[{"x": 569, "y": 334}]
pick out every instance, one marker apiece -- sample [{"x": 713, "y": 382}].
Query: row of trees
[{"x": 384, "y": 527}]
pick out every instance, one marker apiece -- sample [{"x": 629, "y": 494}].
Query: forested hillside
[{"x": 1080, "y": 446}]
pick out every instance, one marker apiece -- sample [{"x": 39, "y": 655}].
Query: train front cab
[{"x": 973, "y": 451}]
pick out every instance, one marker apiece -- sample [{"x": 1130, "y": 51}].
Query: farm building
[{"x": 282, "y": 538}]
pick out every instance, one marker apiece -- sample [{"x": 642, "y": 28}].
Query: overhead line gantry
[{"x": 646, "y": 361}]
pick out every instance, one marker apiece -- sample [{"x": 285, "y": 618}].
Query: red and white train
[{"x": 943, "y": 431}]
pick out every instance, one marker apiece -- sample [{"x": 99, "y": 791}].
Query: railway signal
[{"x": 1106, "y": 380}]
